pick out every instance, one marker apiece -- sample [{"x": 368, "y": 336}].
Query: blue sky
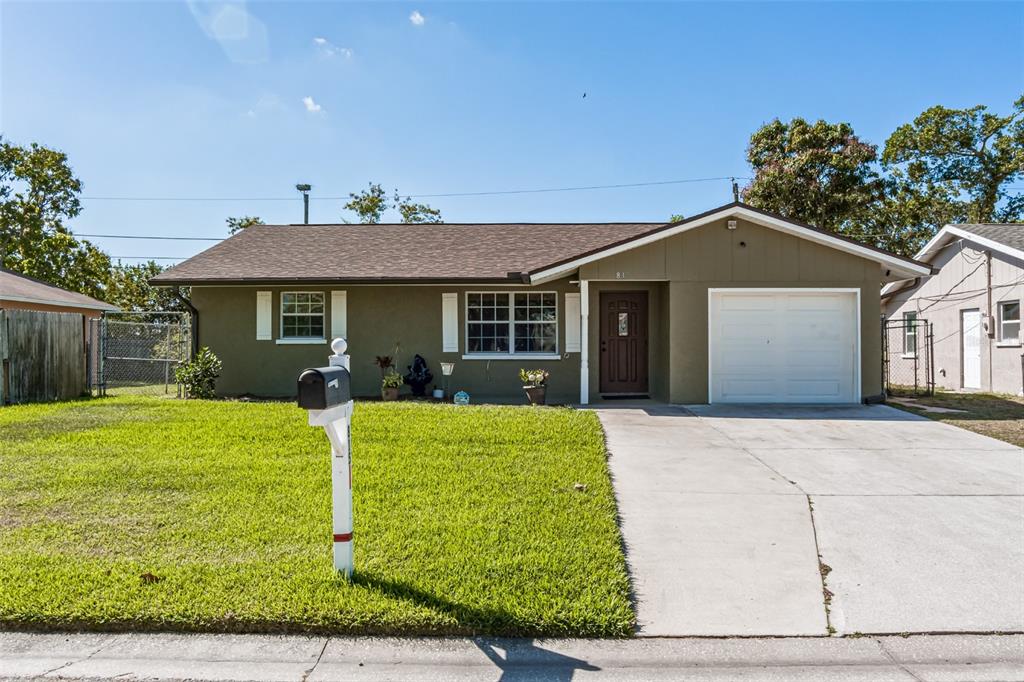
[{"x": 177, "y": 99}]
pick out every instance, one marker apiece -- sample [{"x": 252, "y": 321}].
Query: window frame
[
  {"x": 1001, "y": 340},
  {"x": 910, "y": 324},
  {"x": 281, "y": 314},
  {"x": 511, "y": 354}
]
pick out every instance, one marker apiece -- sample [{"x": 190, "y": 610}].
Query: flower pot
[
  {"x": 536, "y": 394},
  {"x": 389, "y": 393}
]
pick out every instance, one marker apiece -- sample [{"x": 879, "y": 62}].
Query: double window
[
  {"x": 302, "y": 315},
  {"x": 1009, "y": 322},
  {"x": 910, "y": 334},
  {"x": 512, "y": 323}
]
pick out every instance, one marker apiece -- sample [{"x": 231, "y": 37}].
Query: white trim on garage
[{"x": 858, "y": 327}]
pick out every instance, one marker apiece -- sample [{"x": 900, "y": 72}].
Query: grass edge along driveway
[
  {"x": 991, "y": 414},
  {"x": 149, "y": 514}
]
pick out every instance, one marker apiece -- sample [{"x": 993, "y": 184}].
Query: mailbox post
[{"x": 326, "y": 393}]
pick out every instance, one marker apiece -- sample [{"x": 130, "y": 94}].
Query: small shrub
[
  {"x": 200, "y": 374},
  {"x": 392, "y": 380}
]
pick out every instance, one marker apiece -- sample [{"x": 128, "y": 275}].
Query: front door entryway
[{"x": 623, "y": 342}]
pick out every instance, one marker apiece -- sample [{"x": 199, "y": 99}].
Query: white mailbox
[{"x": 337, "y": 422}]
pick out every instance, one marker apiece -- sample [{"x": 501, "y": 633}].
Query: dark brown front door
[{"x": 624, "y": 342}]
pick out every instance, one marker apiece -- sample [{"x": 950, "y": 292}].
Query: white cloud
[
  {"x": 329, "y": 49},
  {"x": 311, "y": 106},
  {"x": 417, "y": 19}
]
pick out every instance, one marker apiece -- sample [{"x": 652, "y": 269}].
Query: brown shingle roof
[
  {"x": 15, "y": 286},
  {"x": 393, "y": 252},
  {"x": 1008, "y": 234}
]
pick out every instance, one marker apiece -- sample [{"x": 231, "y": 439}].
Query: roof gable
[
  {"x": 1005, "y": 238},
  {"x": 898, "y": 264}
]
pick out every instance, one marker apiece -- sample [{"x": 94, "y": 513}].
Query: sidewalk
[{"x": 262, "y": 657}]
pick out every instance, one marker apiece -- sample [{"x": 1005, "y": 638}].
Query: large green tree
[
  {"x": 371, "y": 203},
  {"x": 238, "y": 224},
  {"x": 128, "y": 288},
  {"x": 962, "y": 161},
  {"x": 819, "y": 173},
  {"x": 38, "y": 194}
]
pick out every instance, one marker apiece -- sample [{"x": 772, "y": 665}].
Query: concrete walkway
[
  {"x": 302, "y": 659},
  {"x": 725, "y": 511}
]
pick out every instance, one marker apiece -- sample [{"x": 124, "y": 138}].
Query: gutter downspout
[
  {"x": 194, "y": 313},
  {"x": 988, "y": 314}
]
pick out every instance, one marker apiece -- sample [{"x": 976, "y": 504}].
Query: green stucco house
[{"x": 733, "y": 305}]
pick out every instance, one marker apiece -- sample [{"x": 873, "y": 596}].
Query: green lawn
[
  {"x": 147, "y": 513},
  {"x": 991, "y": 414}
]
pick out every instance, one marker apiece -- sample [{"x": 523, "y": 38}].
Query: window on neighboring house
[
  {"x": 910, "y": 333},
  {"x": 302, "y": 315},
  {"x": 1009, "y": 322},
  {"x": 513, "y": 323}
]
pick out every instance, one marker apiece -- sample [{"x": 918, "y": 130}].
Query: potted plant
[
  {"x": 535, "y": 383},
  {"x": 389, "y": 385}
]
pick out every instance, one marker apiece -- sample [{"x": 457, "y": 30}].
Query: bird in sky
[{"x": 584, "y": 95}]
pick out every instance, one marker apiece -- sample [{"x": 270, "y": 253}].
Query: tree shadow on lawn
[{"x": 523, "y": 659}]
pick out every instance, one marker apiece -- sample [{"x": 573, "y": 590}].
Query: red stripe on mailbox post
[{"x": 343, "y": 537}]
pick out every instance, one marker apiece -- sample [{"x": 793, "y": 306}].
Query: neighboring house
[
  {"x": 45, "y": 355},
  {"x": 733, "y": 305},
  {"x": 20, "y": 292},
  {"x": 973, "y": 303}
]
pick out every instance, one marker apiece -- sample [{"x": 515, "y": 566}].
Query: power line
[
  {"x": 573, "y": 189},
  {"x": 132, "y": 236},
  {"x": 149, "y": 257},
  {"x": 434, "y": 196}
]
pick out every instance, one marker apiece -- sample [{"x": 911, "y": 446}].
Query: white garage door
[{"x": 783, "y": 346}]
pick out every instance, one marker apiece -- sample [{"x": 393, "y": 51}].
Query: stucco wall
[
  {"x": 379, "y": 319},
  {"x": 713, "y": 256},
  {"x": 961, "y": 285}
]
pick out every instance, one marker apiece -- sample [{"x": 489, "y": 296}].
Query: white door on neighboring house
[{"x": 970, "y": 347}]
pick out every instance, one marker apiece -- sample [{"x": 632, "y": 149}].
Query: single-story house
[
  {"x": 35, "y": 363},
  {"x": 973, "y": 304},
  {"x": 732, "y": 305}
]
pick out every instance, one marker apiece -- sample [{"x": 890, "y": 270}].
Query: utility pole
[{"x": 304, "y": 188}]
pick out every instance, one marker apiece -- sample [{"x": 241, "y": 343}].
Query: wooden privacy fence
[{"x": 43, "y": 356}]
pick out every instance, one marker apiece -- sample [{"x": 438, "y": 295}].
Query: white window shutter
[
  {"x": 572, "y": 323},
  {"x": 450, "y": 323},
  {"x": 264, "y": 311},
  {"x": 339, "y": 314}
]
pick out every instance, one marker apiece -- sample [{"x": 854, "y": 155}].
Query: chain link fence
[
  {"x": 137, "y": 353},
  {"x": 908, "y": 357}
]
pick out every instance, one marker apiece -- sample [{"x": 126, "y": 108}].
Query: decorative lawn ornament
[
  {"x": 419, "y": 376},
  {"x": 462, "y": 398}
]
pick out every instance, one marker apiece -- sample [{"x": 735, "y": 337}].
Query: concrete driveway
[{"x": 726, "y": 510}]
